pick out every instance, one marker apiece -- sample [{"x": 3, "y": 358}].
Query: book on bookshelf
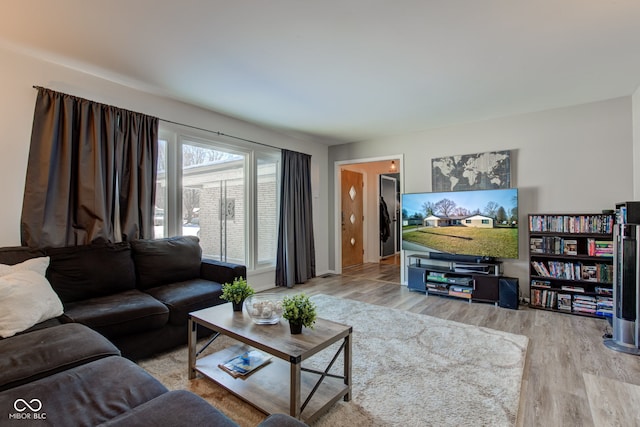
[
  {"x": 572, "y": 288},
  {"x": 604, "y": 248},
  {"x": 604, "y": 306},
  {"x": 544, "y": 298},
  {"x": 570, "y": 247},
  {"x": 600, "y": 290},
  {"x": 594, "y": 223},
  {"x": 541, "y": 268},
  {"x": 541, "y": 283},
  {"x": 564, "y": 302},
  {"x": 245, "y": 363},
  {"x": 536, "y": 245},
  {"x": 601, "y": 248},
  {"x": 590, "y": 273},
  {"x": 584, "y": 304},
  {"x": 558, "y": 269}
]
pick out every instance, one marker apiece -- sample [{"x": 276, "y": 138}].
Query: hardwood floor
[{"x": 570, "y": 377}]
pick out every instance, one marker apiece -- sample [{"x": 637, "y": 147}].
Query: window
[{"x": 227, "y": 195}]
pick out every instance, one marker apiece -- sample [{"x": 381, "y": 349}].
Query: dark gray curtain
[
  {"x": 137, "y": 174},
  {"x": 90, "y": 173},
  {"x": 296, "y": 257}
]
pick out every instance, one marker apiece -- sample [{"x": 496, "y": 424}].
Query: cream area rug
[{"x": 408, "y": 370}]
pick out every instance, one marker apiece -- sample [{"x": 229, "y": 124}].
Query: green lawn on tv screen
[{"x": 498, "y": 242}]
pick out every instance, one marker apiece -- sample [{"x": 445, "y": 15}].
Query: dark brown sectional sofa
[
  {"x": 127, "y": 299},
  {"x": 69, "y": 375},
  {"x": 137, "y": 294}
]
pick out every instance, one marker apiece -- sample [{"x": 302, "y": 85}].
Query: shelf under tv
[
  {"x": 460, "y": 279},
  {"x": 441, "y": 263}
]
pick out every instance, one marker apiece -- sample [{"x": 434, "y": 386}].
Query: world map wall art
[{"x": 481, "y": 171}]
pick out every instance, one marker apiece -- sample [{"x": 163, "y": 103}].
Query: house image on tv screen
[{"x": 479, "y": 221}]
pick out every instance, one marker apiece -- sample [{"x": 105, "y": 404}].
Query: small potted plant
[
  {"x": 300, "y": 311},
  {"x": 236, "y": 292}
]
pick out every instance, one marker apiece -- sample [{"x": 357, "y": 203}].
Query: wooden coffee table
[{"x": 278, "y": 386}]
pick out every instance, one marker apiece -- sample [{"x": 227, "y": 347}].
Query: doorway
[
  {"x": 389, "y": 214},
  {"x": 371, "y": 171}
]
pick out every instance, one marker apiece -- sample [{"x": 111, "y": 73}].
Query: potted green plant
[
  {"x": 300, "y": 311},
  {"x": 236, "y": 292}
]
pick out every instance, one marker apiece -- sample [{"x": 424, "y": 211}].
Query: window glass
[
  {"x": 226, "y": 194},
  {"x": 267, "y": 208},
  {"x": 159, "y": 222},
  {"x": 213, "y": 200}
]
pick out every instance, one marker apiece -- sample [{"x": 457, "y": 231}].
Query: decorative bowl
[{"x": 264, "y": 309}]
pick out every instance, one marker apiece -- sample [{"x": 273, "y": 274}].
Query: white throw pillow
[
  {"x": 26, "y": 298},
  {"x": 39, "y": 265}
]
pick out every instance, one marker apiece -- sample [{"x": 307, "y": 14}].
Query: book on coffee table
[{"x": 245, "y": 363}]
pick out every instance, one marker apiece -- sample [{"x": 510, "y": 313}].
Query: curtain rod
[
  {"x": 182, "y": 124},
  {"x": 222, "y": 134}
]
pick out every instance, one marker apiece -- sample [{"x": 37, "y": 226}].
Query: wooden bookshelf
[{"x": 571, "y": 263}]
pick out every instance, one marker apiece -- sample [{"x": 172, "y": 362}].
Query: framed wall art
[{"x": 480, "y": 171}]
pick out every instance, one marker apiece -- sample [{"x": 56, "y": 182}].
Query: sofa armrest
[{"x": 221, "y": 272}]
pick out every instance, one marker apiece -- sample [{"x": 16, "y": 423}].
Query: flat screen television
[{"x": 479, "y": 223}]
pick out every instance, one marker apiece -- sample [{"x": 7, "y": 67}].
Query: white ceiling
[{"x": 345, "y": 70}]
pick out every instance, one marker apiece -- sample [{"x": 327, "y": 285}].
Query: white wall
[
  {"x": 19, "y": 73},
  {"x": 575, "y": 159}
]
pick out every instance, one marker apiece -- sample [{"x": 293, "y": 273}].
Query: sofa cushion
[
  {"x": 29, "y": 357},
  {"x": 163, "y": 261},
  {"x": 81, "y": 272},
  {"x": 26, "y": 298},
  {"x": 176, "y": 408},
  {"x": 88, "y": 394},
  {"x": 16, "y": 254},
  {"x": 185, "y": 297},
  {"x": 120, "y": 314}
]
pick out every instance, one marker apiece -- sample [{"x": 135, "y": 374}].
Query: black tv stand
[{"x": 468, "y": 278}]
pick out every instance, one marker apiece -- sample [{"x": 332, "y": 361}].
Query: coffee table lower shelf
[{"x": 258, "y": 387}]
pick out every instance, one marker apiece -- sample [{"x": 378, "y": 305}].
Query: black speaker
[{"x": 509, "y": 292}]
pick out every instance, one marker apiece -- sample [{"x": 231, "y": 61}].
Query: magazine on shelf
[{"x": 245, "y": 363}]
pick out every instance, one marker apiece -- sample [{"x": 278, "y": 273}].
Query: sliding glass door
[{"x": 213, "y": 200}]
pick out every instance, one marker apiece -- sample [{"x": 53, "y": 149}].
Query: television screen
[{"x": 480, "y": 222}]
